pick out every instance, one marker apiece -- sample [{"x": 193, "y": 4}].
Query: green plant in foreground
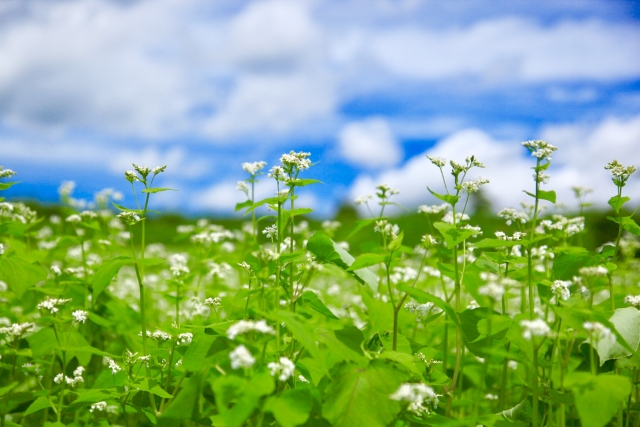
[{"x": 278, "y": 324}]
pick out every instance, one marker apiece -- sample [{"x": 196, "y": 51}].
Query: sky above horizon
[{"x": 367, "y": 86}]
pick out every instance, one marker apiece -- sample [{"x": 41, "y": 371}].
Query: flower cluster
[
  {"x": 129, "y": 218},
  {"x": 597, "y": 271},
  {"x": 241, "y": 358},
  {"x": 473, "y": 185},
  {"x": 244, "y": 326},
  {"x": 389, "y": 230},
  {"x": 619, "y": 172},
  {"x": 293, "y": 160},
  {"x": 72, "y": 381},
  {"x": 80, "y": 316},
  {"x": 15, "y": 331},
  {"x": 115, "y": 368},
  {"x": 284, "y": 368},
  {"x": 185, "y": 339},
  {"x": 421, "y": 310},
  {"x": 512, "y": 215},
  {"x": 421, "y": 398},
  {"x": 540, "y": 149},
  {"x": 633, "y": 300},
  {"x": 560, "y": 290},
  {"x": 598, "y": 331},
  {"x": 433, "y": 209},
  {"x": 52, "y": 304},
  {"x": 534, "y": 328},
  {"x": 178, "y": 265}
]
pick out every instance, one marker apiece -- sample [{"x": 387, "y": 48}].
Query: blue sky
[{"x": 367, "y": 86}]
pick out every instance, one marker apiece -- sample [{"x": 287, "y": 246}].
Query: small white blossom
[
  {"x": 52, "y": 304},
  {"x": 80, "y": 316},
  {"x": 15, "y": 331},
  {"x": 129, "y": 218},
  {"x": 492, "y": 290},
  {"x": 241, "y": 358},
  {"x": 254, "y": 167},
  {"x": 540, "y": 149},
  {"x": 115, "y": 368},
  {"x": 284, "y": 368},
  {"x": 98, "y": 406},
  {"x": 214, "y": 302},
  {"x": 560, "y": 290},
  {"x": 633, "y": 300},
  {"x": 433, "y": 209},
  {"x": 598, "y": 331},
  {"x": 363, "y": 199},
  {"x": 244, "y": 326},
  {"x": 474, "y": 185},
  {"x": 598, "y": 271},
  {"x": 271, "y": 232},
  {"x": 73, "y": 219},
  {"x": 186, "y": 338},
  {"x": 534, "y": 328},
  {"x": 438, "y": 161},
  {"x": 421, "y": 398}
]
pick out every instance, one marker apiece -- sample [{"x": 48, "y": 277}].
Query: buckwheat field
[{"x": 282, "y": 323}]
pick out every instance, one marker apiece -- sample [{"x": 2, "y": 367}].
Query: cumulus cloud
[
  {"x": 508, "y": 50},
  {"x": 369, "y": 143},
  {"x": 583, "y": 152}
]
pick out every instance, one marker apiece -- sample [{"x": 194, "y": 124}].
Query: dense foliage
[{"x": 276, "y": 324}]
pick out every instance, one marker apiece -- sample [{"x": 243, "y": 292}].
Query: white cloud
[
  {"x": 507, "y": 50},
  {"x": 369, "y": 143},
  {"x": 583, "y": 152}
]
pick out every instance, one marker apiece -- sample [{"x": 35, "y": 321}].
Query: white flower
[
  {"x": 421, "y": 398},
  {"x": 115, "y": 368},
  {"x": 98, "y": 406},
  {"x": 302, "y": 379},
  {"x": 390, "y": 230},
  {"x": 244, "y": 326},
  {"x": 438, "y": 161},
  {"x": 271, "y": 232},
  {"x": 5, "y": 173},
  {"x": 52, "y": 304},
  {"x": 560, "y": 289},
  {"x": 363, "y": 199},
  {"x": 159, "y": 169},
  {"x": 277, "y": 172},
  {"x": 244, "y": 265},
  {"x": 242, "y": 186},
  {"x": 540, "y": 149},
  {"x": 129, "y": 218},
  {"x": 241, "y": 358},
  {"x": 598, "y": 271},
  {"x": 511, "y": 215},
  {"x": 619, "y": 172},
  {"x": 178, "y": 265},
  {"x": 474, "y": 185},
  {"x": 16, "y": 330},
  {"x": 473, "y": 305},
  {"x": 433, "y": 209},
  {"x": 299, "y": 160},
  {"x": 254, "y": 167},
  {"x": 534, "y": 328},
  {"x": 186, "y": 338},
  {"x": 598, "y": 331},
  {"x": 490, "y": 396},
  {"x": 492, "y": 290},
  {"x": 422, "y": 310},
  {"x": 633, "y": 300},
  {"x": 284, "y": 368},
  {"x": 80, "y": 316},
  {"x": 214, "y": 302},
  {"x": 448, "y": 217},
  {"x": 512, "y": 364},
  {"x": 73, "y": 219}
]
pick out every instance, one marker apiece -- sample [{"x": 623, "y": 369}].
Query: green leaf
[
  {"x": 301, "y": 331},
  {"x": 107, "y": 272},
  {"x": 616, "y": 202},
  {"x": 20, "y": 275},
  {"x": 327, "y": 251},
  {"x": 42, "y": 342},
  {"x": 196, "y": 356},
  {"x": 630, "y": 225},
  {"x": 567, "y": 263},
  {"x": 6, "y": 389},
  {"x": 496, "y": 243},
  {"x": 185, "y": 405},
  {"x": 449, "y": 198},
  {"x": 6, "y": 185},
  {"x": 366, "y": 260},
  {"x": 314, "y": 302},
  {"x": 597, "y": 398},
  {"x": 360, "y": 224},
  {"x": 157, "y": 190},
  {"x": 360, "y": 396},
  {"x": 291, "y": 408},
  {"x": 544, "y": 195},
  {"x": 452, "y": 234},
  {"x": 297, "y": 211},
  {"x": 339, "y": 348},
  {"x": 304, "y": 182},
  {"x": 627, "y": 323},
  {"x": 424, "y": 297},
  {"x": 236, "y": 398},
  {"x": 245, "y": 204},
  {"x": 37, "y": 405}
]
